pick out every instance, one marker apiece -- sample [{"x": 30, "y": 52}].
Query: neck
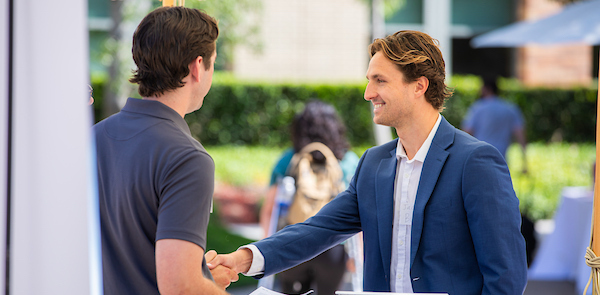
[
  {"x": 173, "y": 99},
  {"x": 413, "y": 136}
]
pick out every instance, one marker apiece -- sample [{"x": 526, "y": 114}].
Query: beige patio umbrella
[{"x": 576, "y": 23}]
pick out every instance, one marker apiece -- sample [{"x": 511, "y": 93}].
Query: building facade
[{"x": 326, "y": 41}]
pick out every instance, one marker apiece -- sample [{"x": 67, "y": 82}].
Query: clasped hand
[
  {"x": 222, "y": 274},
  {"x": 238, "y": 261}
]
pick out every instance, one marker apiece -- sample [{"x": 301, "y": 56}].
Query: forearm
[
  {"x": 242, "y": 260},
  {"x": 179, "y": 269},
  {"x": 200, "y": 286},
  {"x": 267, "y": 210}
]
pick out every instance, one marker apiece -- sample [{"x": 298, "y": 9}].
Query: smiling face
[{"x": 392, "y": 97}]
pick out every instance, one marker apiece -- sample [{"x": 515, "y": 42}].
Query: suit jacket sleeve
[
  {"x": 494, "y": 222},
  {"x": 333, "y": 224}
]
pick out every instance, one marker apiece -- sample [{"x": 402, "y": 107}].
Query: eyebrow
[{"x": 375, "y": 76}]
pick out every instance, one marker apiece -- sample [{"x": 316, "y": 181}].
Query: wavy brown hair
[
  {"x": 417, "y": 55},
  {"x": 320, "y": 122},
  {"x": 165, "y": 42}
]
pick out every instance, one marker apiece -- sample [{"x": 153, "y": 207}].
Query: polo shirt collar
[{"x": 155, "y": 109}]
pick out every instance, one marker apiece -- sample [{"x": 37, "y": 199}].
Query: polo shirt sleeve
[{"x": 185, "y": 198}]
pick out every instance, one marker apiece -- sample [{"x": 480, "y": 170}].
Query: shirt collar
[
  {"x": 424, "y": 149},
  {"x": 155, "y": 109}
]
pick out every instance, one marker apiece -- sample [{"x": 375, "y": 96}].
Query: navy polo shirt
[{"x": 155, "y": 182}]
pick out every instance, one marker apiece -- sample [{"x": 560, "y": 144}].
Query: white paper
[
  {"x": 265, "y": 291},
  {"x": 381, "y": 293}
]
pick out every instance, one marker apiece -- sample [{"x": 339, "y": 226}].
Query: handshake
[{"x": 226, "y": 267}]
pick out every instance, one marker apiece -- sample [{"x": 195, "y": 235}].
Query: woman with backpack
[{"x": 317, "y": 123}]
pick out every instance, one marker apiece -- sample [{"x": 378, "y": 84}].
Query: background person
[
  {"x": 155, "y": 181},
  {"x": 436, "y": 206},
  {"x": 496, "y": 121},
  {"x": 318, "y": 122}
]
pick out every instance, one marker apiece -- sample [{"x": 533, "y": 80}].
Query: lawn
[{"x": 551, "y": 167}]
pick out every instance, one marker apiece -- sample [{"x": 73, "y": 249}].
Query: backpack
[{"x": 316, "y": 183}]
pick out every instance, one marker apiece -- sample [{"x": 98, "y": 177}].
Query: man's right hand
[
  {"x": 222, "y": 275},
  {"x": 239, "y": 261}
]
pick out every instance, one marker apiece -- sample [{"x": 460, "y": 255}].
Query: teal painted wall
[
  {"x": 494, "y": 13},
  {"x": 483, "y": 13}
]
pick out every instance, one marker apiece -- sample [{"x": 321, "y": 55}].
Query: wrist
[{"x": 243, "y": 258}]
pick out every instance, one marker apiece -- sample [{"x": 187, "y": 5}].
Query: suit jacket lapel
[
  {"x": 384, "y": 192},
  {"x": 434, "y": 161}
]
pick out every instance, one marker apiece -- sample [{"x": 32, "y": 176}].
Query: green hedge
[
  {"x": 260, "y": 114},
  {"x": 247, "y": 113}
]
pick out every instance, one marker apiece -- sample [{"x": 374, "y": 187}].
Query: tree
[{"x": 238, "y": 24}]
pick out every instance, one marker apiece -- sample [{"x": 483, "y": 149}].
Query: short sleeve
[{"x": 185, "y": 198}]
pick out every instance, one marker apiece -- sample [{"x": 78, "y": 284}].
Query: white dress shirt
[{"x": 408, "y": 173}]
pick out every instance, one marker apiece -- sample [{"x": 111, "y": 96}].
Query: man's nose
[{"x": 369, "y": 93}]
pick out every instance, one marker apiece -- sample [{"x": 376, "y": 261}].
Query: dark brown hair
[
  {"x": 417, "y": 55},
  {"x": 320, "y": 122},
  {"x": 164, "y": 44}
]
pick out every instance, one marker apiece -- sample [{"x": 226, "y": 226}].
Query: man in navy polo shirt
[{"x": 155, "y": 181}]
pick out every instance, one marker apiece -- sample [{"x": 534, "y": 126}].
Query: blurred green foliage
[
  {"x": 244, "y": 165},
  {"x": 238, "y": 25},
  {"x": 551, "y": 167},
  {"x": 260, "y": 113}
]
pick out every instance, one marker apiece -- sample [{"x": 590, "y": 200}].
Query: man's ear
[
  {"x": 196, "y": 68},
  {"x": 422, "y": 84}
]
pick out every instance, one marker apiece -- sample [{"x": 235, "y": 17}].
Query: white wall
[
  {"x": 49, "y": 250},
  {"x": 309, "y": 40}
]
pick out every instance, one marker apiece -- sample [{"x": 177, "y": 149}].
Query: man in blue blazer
[{"x": 436, "y": 206}]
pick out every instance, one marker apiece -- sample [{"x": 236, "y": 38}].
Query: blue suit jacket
[{"x": 465, "y": 236}]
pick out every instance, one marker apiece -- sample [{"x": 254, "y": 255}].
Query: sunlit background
[{"x": 275, "y": 55}]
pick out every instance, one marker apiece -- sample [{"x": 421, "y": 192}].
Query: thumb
[{"x": 210, "y": 255}]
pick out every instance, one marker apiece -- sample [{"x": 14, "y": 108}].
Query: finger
[
  {"x": 214, "y": 262},
  {"x": 210, "y": 255},
  {"x": 235, "y": 277}
]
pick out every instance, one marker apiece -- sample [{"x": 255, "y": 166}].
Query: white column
[
  {"x": 437, "y": 23},
  {"x": 49, "y": 249},
  {"x": 4, "y": 45}
]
